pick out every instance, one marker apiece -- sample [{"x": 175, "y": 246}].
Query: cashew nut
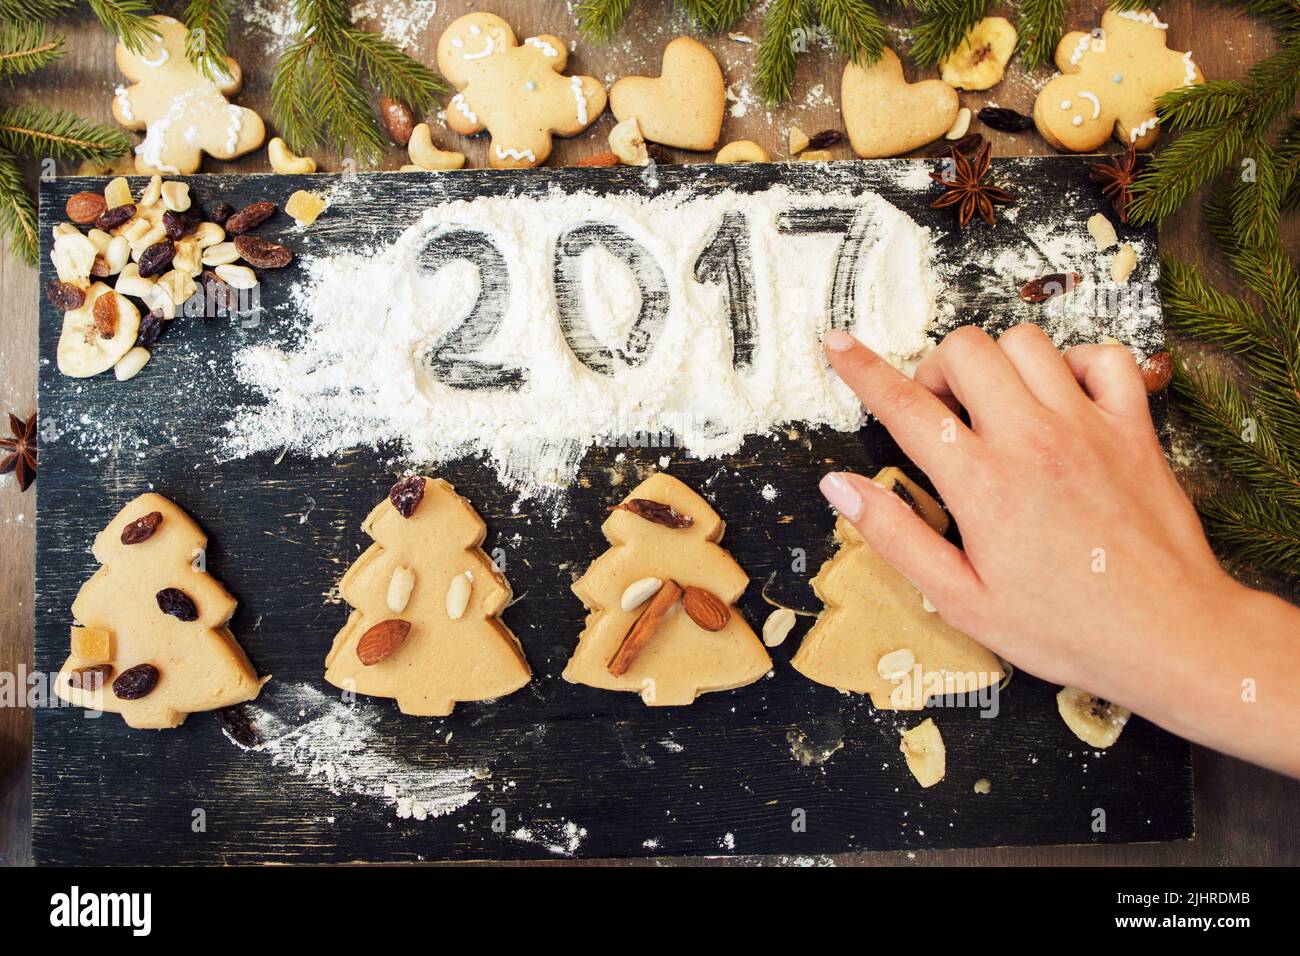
[
  {"x": 427, "y": 156},
  {"x": 627, "y": 143},
  {"x": 283, "y": 161},
  {"x": 742, "y": 151}
]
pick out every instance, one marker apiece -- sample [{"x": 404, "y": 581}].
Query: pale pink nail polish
[
  {"x": 837, "y": 340},
  {"x": 842, "y": 495}
]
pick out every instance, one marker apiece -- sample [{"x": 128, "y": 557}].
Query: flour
[
  {"x": 341, "y": 747},
  {"x": 649, "y": 348},
  {"x": 401, "y": 22}
]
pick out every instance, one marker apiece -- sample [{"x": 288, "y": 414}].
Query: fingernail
[
  {"x": 839, "y": 491},
  {"x": 837, "y": 340}
]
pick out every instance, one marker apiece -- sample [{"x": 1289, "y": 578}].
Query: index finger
[{"x": 926, "y": 429}]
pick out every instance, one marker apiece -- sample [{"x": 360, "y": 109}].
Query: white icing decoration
[
  {"x": 1189, "y": 79},
  {"x": 1065, "y": 104},
  {"x": 458, "y": 101},
  {"x": 457, "y": 42},
  {"x": 1080, "y": 48},
  {"x": 162, "y": 58},
  {"x": 580, "y": 98},
  {"x": 543, "y": 46},
  {"x": 1142, "y": 130},
  {"x": 530, "y": 85},
  {"x": 475, "y": 29},
  {"x": 232, "y": 132},
  {"x": 488, "y": 49},
  {"x": 1117, "y": 78},
  {"x": 1150, "y": 19},
  {"x": 1077, "y": 121},
  {"x": 506, "y": 153},
  {"x": 1092, "y": 98},
  {"x": 124, "y": 103}
]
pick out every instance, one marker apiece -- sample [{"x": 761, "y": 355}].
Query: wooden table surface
[{"x": 1244, "y": 815}]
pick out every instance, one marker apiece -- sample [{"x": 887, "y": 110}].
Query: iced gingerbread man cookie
[
  {"x": 681, "y": 107},
  {"x": 887, "y": 116},
  {"x": 661, "y": 621},
  {"x": 1109, "y": 82},
  {"x": 517, "y": 92},
  {"x": 151, "y": 641},
  {"x": 877, "y": 634},
  {"x": 427, "y": 629},
  {"x": 183, "y": 113}
]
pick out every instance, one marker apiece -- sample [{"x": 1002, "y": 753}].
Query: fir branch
[
  {"x": 1288, "y": 165},
  {"x": 292, "y": 92},
  {"x": 599, "y": 20},
  {"x": 17, "y": 212},
  {"x": 28, "y": 11},
  {"x": 43, "y": 131},
  {"x": 774, "y": 65},
  {"x": 26, "y": 47},
  {"x": 205, "y": 46},
  {"x": 345, "y": 115},
  {"x": 943, "y": 27},
  {"x": 856, "y": 27},
  {"x": 714, "y": 16},
  {"x": 128, "y": 20},
  {"x": 1040, "y": 24},
  {"x": 1219, "y": 120},
  {"x": 393, "y": 71},
  {"x": 1262, "y": 532}
]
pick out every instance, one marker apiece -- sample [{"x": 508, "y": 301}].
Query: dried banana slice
[
  {"x": 98, "y": 333},
  {"x": 982, "y": 56},
  {"x": 923, "y": 748},
  {"x": 1098, "y": 723}
]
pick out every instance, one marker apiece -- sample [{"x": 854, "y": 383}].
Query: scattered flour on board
[
  {"x": 562, "y": 839},
  {"x": 360, "y": 371},
  {"x": 399, "y": 21},
  {"x": 341, "y": 747}
]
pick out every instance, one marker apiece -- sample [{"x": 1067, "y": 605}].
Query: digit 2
[
  {"x": 726, "y": 260},
  {"x": 449, "y": 358},
  {"x": 574, "y": 321}
]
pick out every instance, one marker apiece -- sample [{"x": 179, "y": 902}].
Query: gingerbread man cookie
[
  {"x": 1109, "y": 82},
  {"x": 515, "y": 91},
  {"x": 183, "y": 112}
]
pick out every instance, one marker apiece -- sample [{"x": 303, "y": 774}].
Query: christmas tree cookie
[
  {"x": 152, "y": 642},
  {"x": 661, "y": 621},
  {"x": 877, "y": 634},
  {"x": 426, "y": 630}
]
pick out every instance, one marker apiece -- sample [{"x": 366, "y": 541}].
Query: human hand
[{"x": 1082, "y": 561}]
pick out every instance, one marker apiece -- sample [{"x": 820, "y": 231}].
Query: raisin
[
  {"x": 142, "y": 529},
  {"x": 666, "y": 515},
  {"x": 151, "y": 327},
  {"x": 1005, "y": 120},
  {"x": 100, "y": 268},
  {"x": 136, "y": 682},
  {"x": 110, "y": 219},
  {"x": 827, "y": 137},
  {"x": 239, "y": 727},
  {"x": 177, "y": 603},
  {"x": 180, "y": 224},
  {"x": 968, "y": 146},
  {"x": 1049, "y": 287},
  {"x": 90, "y": 678},
  {"x": 221, "y": 212},
  {"x": 406, "y": 495},
  {"x": 64, "y": 296},
  {"x": 250, "y": 217},
  {"x": 220, "y": 298},
  {"x": 261, "y": 253},
  {"x": 105, "y": 313},
  {"x": 156, "y": 259},
  {"x": 659, "y": 155}
]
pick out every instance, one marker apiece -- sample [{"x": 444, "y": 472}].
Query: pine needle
[
  {"x": 17, "y": 212},
  {"x": 714, "y": 16},
  {"x": 783, "y": 26},
  {"x": 599, "y": 20},
  {"x": 43, "y": 131},
  {"x": 26, "y": 47},
  {"x": 859, "y": 34},
  {"x": 28, "y": 11},
  {"x": 128, "y": 20},
  {"x": 1040, "y": 24},
  {"x": 943, "y": 26},
  {"x": 391, "y": 70},
  {"x": 205, "y": 46}
]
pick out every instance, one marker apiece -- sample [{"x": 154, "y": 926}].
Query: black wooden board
[{"x": 563, "y": 769}]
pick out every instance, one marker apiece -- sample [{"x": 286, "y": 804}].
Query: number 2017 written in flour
[{"x": 725, "y": 260}]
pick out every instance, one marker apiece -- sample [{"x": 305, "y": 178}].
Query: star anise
[
  {"x": 1116, "y": 177},
  {"x": 962, "y": 180},
  {"x": 21, "y": 448}
]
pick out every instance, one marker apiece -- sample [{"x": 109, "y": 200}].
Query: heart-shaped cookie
[
  {"x": 887, "y": 116},
  {"x": 681, "y": 107}
]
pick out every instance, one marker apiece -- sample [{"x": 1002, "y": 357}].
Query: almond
[
  {"x": 705, "y": 608},
  {"x": 600, "y": 159},
  {"x": 398, "y": 119},
  {"x": 85, "y": 208},
  {"x": 640, "y": 633},
  {"x": 382, "y": 641}
]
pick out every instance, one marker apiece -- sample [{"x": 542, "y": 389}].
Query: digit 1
[
  {"x": 853, "y": 224},
  {"x": 727, "y": 259},
  {"x": 450, "y": 357},
  {"x": 574, "y": 321}
]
